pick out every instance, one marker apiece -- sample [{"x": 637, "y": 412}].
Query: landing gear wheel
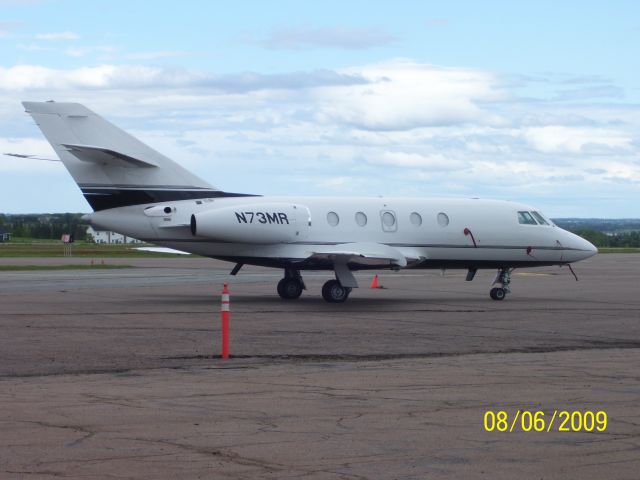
[
  {"x": 333, "y": 292},
  {"x": 289, "y": 288},
  {"x": 497, "y": 293}
]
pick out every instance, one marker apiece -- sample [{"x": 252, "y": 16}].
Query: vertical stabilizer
[{"x": 111, "y": 167}]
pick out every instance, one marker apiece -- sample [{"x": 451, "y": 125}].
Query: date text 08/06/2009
[{"x": 539, "y": 421}]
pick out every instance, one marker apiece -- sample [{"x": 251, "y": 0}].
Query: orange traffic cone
[{"x": 374, "y": 283}]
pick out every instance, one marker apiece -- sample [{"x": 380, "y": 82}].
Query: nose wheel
[
  {"x": 503, "y": 277},
  {"x": 497, "y": 293}
]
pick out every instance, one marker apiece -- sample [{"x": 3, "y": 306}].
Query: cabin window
[
  {"x": 333, "y": 219},
  {"x": 361, "y": 219},
  {"x": 388, "y": 219},
  {"x": 443, "y": 219},
  {"x": 539, "y": 218},
  {"x": 415, "y": 219},
  {"x": 525, "y": 218}
]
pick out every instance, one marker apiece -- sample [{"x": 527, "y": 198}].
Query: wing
[
  {"x": 360, "y": 253},
  {"x": 342, "y": 255}
]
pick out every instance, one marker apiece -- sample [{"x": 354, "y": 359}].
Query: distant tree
[
  {"x": 599, "y": 239},
  {"x": 50, "y": 226}
]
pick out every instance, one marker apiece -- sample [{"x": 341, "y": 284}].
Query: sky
[{"x": 536, "y": 102}]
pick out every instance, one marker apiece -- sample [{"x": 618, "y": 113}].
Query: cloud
[
  {"x": 27, "y": 146},
  {"x": 57, "y": 36},
  {"x": 395, "y": 126},
  {"x": 559, "y": 139},
  {"x": 430, "y": 161},
  {"x": 7, "y": 28},
  {"x": 89, "y": 50},
  {"x": 347, "y": 38},
  {"x": 33, "y": 77},
  {"x": 588, "y": 93},
  {"x": 20, "y": 2},
  {"x": 402, "y": 94}
]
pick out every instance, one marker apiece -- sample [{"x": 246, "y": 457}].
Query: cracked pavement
[{"x": 114, "y": 374}]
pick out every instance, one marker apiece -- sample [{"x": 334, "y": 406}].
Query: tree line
[
  {"x": 616, "y": 240},
  {"x": 53, "y": 225},
  {"x": 45, "y": 226}
]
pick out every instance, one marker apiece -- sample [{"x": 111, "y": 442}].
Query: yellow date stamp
[{"x": 539, "y": 421}]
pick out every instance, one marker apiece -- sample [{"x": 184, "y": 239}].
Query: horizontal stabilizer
[{"x": 106, "y": 156}]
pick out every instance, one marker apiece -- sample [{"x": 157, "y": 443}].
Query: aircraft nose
[
  {"x": 583, "y": 248},
  {"x": 588, "y": 249}
]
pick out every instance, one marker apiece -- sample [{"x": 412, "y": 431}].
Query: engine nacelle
[{"x": 264, "y": 223}]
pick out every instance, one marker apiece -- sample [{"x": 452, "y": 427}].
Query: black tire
[
  {"x": 333, "y": 292},
  {"x": 289, "y": 288},
  {"x": 497, "y": 293}
]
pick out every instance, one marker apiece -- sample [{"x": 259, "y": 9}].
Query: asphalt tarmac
[{"x": 116, "y": 374}]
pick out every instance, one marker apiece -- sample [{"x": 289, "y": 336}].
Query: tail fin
[{"x": 112, "y": 168}]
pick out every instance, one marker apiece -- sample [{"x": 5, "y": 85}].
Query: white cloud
[
  {"x": 431, "y": 161},
  {"x": 33, "y": 77},
  {"x": 58, "y": 36},
  {"x": 398, "y": 127},
  {"x": 89, "y": 50},
  {"x": 558, "y": 138},
  {"x": 403, "y": 94},
  {"x": 27, "y": 146}
]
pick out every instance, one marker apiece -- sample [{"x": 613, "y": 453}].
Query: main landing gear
[
  {"x": 503, "y": 277},
  {"x": 334, "y": 292},
  {"x": 292, "y": 285}
]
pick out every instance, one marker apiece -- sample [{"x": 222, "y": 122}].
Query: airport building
[
  {"x": 104, "y": 236},
  {"x": 5, "y": 235}
]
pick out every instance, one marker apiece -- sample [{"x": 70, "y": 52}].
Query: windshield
[
  {"x": 539, "y": 218},
  {"x": 525, "y": 218},
  {"x": 533, "y": 218},
  {"x": 542, "y": 220}
]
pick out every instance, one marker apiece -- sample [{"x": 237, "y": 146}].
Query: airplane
[{"x": 140, "y": 193}]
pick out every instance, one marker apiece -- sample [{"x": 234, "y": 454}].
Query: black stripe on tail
[{"x": 103, "y": 198}]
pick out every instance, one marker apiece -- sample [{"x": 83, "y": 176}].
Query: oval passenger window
[
  {"x": 333, "y": 219},
  {"x": 361, "y": 219}
]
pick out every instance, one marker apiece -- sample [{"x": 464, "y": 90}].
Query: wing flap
[{"x": 361, "y": 253}]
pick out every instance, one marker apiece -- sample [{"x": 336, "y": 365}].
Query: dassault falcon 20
[{"x": 139, "y": 192}]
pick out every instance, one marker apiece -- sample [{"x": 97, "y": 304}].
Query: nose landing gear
[{"x": 503, "y": 277}]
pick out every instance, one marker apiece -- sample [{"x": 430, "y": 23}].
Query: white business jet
[{"x": 140, "y": 193}]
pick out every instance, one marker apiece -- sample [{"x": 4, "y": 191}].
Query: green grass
[
  {"x": 49, "y": 248},
  {"x": 18, "y": 268},
  {"x": 618, "y": 250}
]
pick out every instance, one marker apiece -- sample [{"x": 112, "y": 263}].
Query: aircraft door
[{"x": 389, "y": 220}]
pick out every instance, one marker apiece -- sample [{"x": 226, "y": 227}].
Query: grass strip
[{"x": 19, "y": 268}]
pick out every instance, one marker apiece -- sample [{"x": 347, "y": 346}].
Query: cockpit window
[
  {"x": 525, "y": 218},
  {"x": 539, "y": 218}
]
